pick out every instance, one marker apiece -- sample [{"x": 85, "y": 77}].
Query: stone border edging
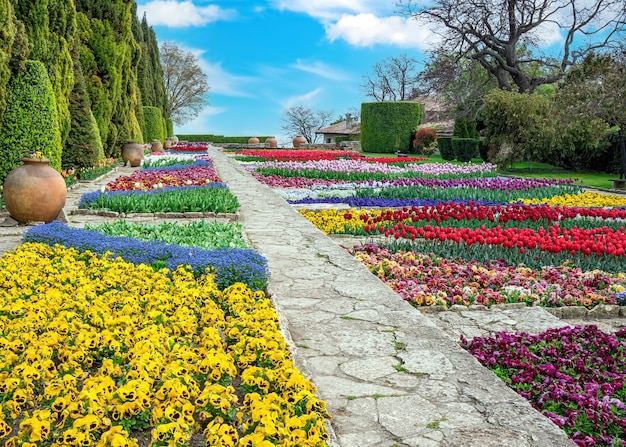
[{"x": 598, "y": 312}]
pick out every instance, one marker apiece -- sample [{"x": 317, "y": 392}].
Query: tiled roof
[{"x": 340, "y": 129}]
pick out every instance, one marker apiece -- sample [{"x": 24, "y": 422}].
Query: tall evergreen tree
[
  {"x": 7, "y": 36},
  {"x": 83, "y": 142},
  {"x": 30, "y": 121},
  {"x": 50, "y": 26},
  {"x": 109, "y": 56}
]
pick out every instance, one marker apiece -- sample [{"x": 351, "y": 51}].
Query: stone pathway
[{"x": 390, "y": 374}]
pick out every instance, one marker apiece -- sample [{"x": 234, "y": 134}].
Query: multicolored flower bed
[
  {"x": 309, "y": 155},
  {"x": 463, "y": 238},
  {"x": 168, "y": 183},
  {"x": 575, "y": 376},
  {"x": 101, "y": 352},
  {"x": 426, "y": 279}
]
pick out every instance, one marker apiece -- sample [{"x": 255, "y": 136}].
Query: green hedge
[
  {"x": 30, "y": 122},
  {"x": 445, "y": 148},
  {"x": 387, "y": 126},
  {"x": 210, "y": 138},
  {"x": 465, "y": 148},
  {"x": 169, "y": 127},
  {"x": 464, "y": 128},
  {"x": 153, "y": 124}
]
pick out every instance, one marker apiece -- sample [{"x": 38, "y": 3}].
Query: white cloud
[
  {"x": 301, "y": 99},
  {"x": 365, "y": 30},
  {"x": 329, "y": 10},
  {"x": 176, "y": 14},
  {"x": 321, "y": 69}
]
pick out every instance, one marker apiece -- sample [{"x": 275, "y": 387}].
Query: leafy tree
[
  {"x": 505, "y": 38},
  {"x": 393, "y": 79},
  {"x": 518, "y": 126},
  {"x": 30, "y": 121},
  {"x": 185, "y": 83},
  {"x": 592, "y": 99},
  {"x": 301, "y": 120}
]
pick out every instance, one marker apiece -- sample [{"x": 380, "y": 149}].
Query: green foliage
[
  {"x": 169, "y": 127},
  {"x": 203, "y": 234},
  {"x": 445, "y": 148},
  {"x": 464, "y": 148},
  {"x": 387, "y": 127},
  {"x": 30, "y": 120},
  {"x": 83, "y": 145},
  {"x": 519, "y": 125},
  {"x": 7, "y": 38},
  {"x": 153, "y": 124},
  {"x": 464, "y": 128},
  {"x": 50, "y": 26},
  {"x": 149, "y": 70},
  {"x": 109, "y": 58}
]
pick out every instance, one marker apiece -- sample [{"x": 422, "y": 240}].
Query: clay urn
[
  {"x": 299, "y": 141},
  {"x": 271, "y": 142},
  {"x": 34, "y": 192},
  {"x": 253, "y": 140},
  {"x": 132, "y": 152},
  {"x": 156, "y": 146}
]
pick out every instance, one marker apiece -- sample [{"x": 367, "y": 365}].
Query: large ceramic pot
[
  {"x": 169, "y": 143},
  {"x": 299, "y": 141},
  {"x": 253, "y": 140},
  {"x": 271, "y": 142},
  {"x": 132, "y": 153},
  {"x": 156, "y": 146},
  {"x": 34, "y": 192}
]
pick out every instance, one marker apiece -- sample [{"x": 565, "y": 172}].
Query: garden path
[{"x": 390, "y": 375}]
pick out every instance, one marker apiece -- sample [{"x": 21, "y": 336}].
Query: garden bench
[{"x": 619, "y": 183}]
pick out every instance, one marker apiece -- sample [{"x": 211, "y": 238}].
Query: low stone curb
[{"x": 601, "y": 311}]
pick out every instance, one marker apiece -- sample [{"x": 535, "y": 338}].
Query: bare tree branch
[
  {"x": 394, "y": 79},
  {"x": 505, "y": 37},
  {"x": 301, "y": 120}
]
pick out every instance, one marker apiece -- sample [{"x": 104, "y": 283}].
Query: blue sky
[{"x": 262, "y": 57}]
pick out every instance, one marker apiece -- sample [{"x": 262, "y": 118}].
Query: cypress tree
[
  {"x": 30, "y": 121},
  {"x": 7, "y": 37},
  {"x": 50, "y": 26},
  {"x": 83, "y": 142}
]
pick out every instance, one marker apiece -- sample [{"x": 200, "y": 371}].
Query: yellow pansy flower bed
[
  {"x": 334, "y": 221},
  {"x": 96, "y": 351},
  {"x": 585, "y": 199}
]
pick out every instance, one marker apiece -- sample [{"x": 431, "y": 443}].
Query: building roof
[{"x": 340, "y": 129}]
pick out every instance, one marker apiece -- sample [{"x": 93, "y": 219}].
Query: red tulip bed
[
  {"x": 460, "y": 234},
  {"x": 188, "y": 147}
]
